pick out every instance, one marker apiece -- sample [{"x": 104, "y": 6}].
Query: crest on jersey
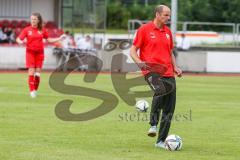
[
  {"x": 167, "y": 36},
  {"x": 29, "y": 33},
  {"x": 152, "y": 35}
]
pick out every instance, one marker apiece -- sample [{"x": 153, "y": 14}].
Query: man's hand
[
  {"x": 178, "y": 71},
  {"x": 62, "y": 37},
  {"x": 143, "y": 66}
]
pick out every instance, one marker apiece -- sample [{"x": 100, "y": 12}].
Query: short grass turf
[{"x": 207, "y": 118}]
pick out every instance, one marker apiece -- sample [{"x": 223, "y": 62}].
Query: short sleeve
[
  {"x": 45, "y": 34},
  {"x": 139, "y": 38},
  {"x": 23, "y": 34}
]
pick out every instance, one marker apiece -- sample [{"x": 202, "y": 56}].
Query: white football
[
  {"x": 173, "y": 143},
  {"x": 142, "y": 105}
]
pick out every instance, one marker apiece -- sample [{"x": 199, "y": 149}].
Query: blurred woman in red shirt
[{"x": 35, "y": 33}]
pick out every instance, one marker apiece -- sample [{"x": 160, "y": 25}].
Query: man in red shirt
[
  {"x": 35, "y": 34},
  {"x": 154, "y": 42}
]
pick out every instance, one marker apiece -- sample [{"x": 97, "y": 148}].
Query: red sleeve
[
  {"x": 45, "y": 34},
  {"x": 23, "y": 34},
  {"x": 139, "y": 38}
]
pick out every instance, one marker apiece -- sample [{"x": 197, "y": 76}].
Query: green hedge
[{"x": 118, "y": 12}]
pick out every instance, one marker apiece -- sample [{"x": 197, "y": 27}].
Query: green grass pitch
[{"x": 207, "y": 119}]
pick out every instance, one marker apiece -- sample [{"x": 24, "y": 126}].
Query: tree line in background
[{"x": 120, "y": 11}]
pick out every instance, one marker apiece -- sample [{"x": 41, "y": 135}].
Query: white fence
[
  {"x": 232, "y": 37},
  {"x": 192, "y": 61},
  {"x": 14, "y": 58}
]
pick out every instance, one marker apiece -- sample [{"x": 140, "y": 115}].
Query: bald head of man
[{"x": 162, "y": 15}]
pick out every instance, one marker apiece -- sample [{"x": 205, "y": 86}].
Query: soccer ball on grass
[
  {"x": 142, "y": 105},
  {"x": 173, "y": 143}
]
